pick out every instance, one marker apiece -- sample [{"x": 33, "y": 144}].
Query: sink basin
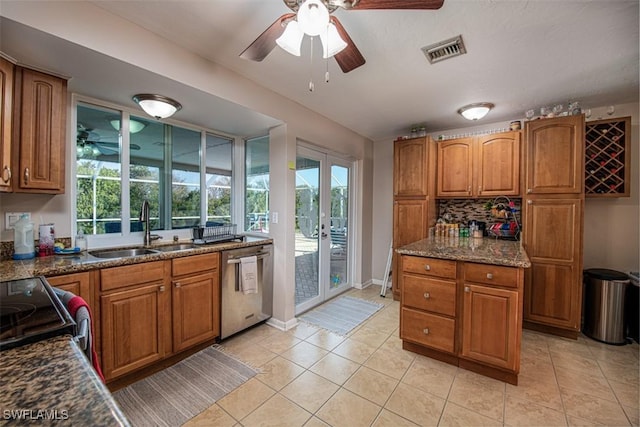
[
  {"x": 176, "y": 247},
  {"x": 123, "y": 253}
]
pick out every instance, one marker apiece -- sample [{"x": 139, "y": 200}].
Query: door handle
[
  {"x": 6, "y": 172},
  {"x": 324, "y": 235},
  {"x": 26, "y": 175}
]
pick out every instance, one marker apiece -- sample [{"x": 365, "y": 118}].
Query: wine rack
[{"x": 607, "y": 157}]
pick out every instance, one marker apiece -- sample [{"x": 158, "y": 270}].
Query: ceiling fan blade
[
  {"x": 398, "y": 4},
  {"x": 113, "y": 145},
  {"x": 266, "y": 42},
  {"x": 350, "y": 57}
]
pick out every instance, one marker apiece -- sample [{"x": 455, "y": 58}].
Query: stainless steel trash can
[{"x": 604, "y": 299}]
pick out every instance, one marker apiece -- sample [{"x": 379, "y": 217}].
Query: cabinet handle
[
  {"x": 489, "y": 276},
  {"x": 479, "y": 188},
  {"x": 161, "y": 288},
  {"x": 177, "y": 285},
  {"x": 6, "y": 172},
  {"x": 26, "y": 175},
  {"x": 427, "y": 295},
  {"x": 529, "y": 202},
  {"x": 529, "y": 190},
  {"x": 425, "y": 331},
  {"x": 427, "y": 267},
  {"x": 466, "y": 289},
  {"x": 469, "y": 189}
]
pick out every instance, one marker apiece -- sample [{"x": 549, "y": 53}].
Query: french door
[{"x": 322, "y": 227}]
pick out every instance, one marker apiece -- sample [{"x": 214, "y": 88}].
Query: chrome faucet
[{"x": 144, "y": 217}]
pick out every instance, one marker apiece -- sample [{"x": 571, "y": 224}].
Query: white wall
[{"x": 612, "y": 226}]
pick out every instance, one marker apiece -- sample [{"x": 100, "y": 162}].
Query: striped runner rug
[
  {"x": 342, "y": 314},
  {"x": 180, "y": 392}
]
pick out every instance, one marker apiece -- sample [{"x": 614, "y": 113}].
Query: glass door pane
[
  {"x": 339, "y": 248},
  {"x": 307, "y": 236}
]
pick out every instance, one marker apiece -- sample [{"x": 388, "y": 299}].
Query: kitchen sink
[
  {"x": 176, "y": 247},
  {"x": 123, "y": 253}
]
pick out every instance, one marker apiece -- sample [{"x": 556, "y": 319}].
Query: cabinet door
[
  {"x": 553, "y": 241},
  {"x": 196, "y": 309},
  {"x": 6, "y": 114},
  {"x": 454, "y": 171},
  {"x": 410, "y": 168},
  {"x": 409, "y": 225},
  {"x": 78, "y": 283},
  {"x": 498, "y": 165},
  {"x": 41, "y": 133},
  {"x": 133, "y": 328},
  {"x": 555, "y": 155},
  {"x": 490, "y": 326}
]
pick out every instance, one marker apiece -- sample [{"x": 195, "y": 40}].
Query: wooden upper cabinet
[
  {"x": 498, "y": 165},
  {"x": 7, "y": 70},
  {"x": 455, "y": 168},
  {"x": 39, "y": 132},
  {"x": 485, "y": 166},
  {"x": 555, "y": 155},
  {"x": 410, "y": 168}
]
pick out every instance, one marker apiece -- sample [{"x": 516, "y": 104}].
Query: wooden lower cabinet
[
  {"x": 464, "y": 313},
  {"x": 76, "y": 283},
  {"x": 151, "y": 311},
  {"x": 135, "y": 316},
  {"x": 134, "y": 325},
  {"x": 195, "y": 300},
  {"x": 490, "y": 328}
]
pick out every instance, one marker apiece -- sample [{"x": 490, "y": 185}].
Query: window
[
  {"x": 257, "y": 184},
  {"x": 164, "y": 167}
]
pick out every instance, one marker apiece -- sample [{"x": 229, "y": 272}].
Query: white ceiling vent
[{"x": 445, "y": 49}]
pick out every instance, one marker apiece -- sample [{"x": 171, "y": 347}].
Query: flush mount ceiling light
[
  {"x": 157, "y": 106},
  {"x": 311, "y": 19},
  {"x": 135, "y": 126},
  {"x": 475, "y": 111}
]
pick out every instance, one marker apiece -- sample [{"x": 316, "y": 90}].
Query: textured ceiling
[{"x": 521, "y": 55}]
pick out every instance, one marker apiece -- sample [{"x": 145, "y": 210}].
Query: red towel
[{"x": 74, "y": 304}]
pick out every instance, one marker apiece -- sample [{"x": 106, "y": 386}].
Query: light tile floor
[{"x": 311, "y": 377}]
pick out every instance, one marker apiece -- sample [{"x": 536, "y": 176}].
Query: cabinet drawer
[
  {"x": 429, "y": 266},
  {"x": 427, "y": 329},
  {"x": 430, "y": 294},
  {"x": 491, "y": 274},
  {"x": 120, "y": 277},
  {"x": 195, "y": 264}
]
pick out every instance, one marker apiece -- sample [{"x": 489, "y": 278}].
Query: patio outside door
[{"x": 322, "y": 227}]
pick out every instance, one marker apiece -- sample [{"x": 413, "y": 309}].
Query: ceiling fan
[
  {"x": 349, "y": 58},
  {"x": 89, "y": 144}
]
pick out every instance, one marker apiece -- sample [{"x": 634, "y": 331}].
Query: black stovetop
[{"x": 29, "y": 312}]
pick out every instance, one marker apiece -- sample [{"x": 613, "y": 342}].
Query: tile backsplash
[{"x": 463, "y": 210}]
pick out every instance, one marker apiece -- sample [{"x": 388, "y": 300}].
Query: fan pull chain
[
  {"x": 326, "y": 61},
  {"x": 311, "y": 85}
]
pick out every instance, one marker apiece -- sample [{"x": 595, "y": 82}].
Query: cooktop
[{"x": 30, "y": 311}]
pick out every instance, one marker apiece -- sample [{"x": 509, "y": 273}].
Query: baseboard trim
[{"x": 283, "y": 326}]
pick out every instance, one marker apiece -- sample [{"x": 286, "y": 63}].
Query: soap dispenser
[{"x": 23, "y": 239}]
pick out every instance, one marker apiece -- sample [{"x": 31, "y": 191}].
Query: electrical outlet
[{"x": 10, "y": 218}]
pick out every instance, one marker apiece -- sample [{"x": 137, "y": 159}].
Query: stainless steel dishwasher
[{"x": 239, "y": 310}]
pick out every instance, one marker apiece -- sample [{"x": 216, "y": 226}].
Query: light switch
[
  {"x": 274, "y": 217},
  {"x": 10, "y": 218}
]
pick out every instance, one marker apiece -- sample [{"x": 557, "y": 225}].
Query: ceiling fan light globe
[
  {"x": 313, "y": 17},
  {"x": 291, "y": 38},
  {"x": 332, "y": 43},
  {"x": 135, "y": 126}
]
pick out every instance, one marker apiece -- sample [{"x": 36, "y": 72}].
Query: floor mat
[
  {"x": 180, "y": 392},
  {"x": 342, "y": 314}
]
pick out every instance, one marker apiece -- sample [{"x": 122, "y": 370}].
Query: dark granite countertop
[
  {"x": 53, "y": 379},
  {"x": 66, "y": 264},
  {"x": 484, "y": 251}
]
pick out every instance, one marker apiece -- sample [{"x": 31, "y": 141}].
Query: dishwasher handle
[{"x": 259, "y": 255}]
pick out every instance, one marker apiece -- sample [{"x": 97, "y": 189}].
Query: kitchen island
[
  {"x": 52, "y": 381},
  {"x": 461, "y": 302}
]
